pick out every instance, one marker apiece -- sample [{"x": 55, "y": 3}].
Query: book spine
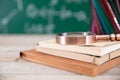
[
  {"x": 101, "y": 17},
  {"x": 110, "y": 14}
]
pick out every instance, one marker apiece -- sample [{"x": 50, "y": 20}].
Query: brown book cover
[{"x": 68, "y": 64}]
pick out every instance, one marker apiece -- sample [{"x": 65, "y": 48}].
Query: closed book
[
  {"x": 68, "y": 64},
  {"x": 99, "y": 48},
  {"x": 78, "y": 56}
]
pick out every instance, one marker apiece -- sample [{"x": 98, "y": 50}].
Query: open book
[{"x": 94, "y": 49}]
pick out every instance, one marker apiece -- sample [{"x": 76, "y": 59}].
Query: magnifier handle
[{"x": 112, "y": 37}]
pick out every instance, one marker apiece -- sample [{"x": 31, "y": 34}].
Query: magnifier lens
[
  {"x": 75, "y": 38},
  {"x": 77, "y": 34}
]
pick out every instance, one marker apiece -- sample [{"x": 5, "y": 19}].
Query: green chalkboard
[{"x": 44, "y": 16}]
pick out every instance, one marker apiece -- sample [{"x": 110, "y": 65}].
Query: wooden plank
[
  {"x": 54, "y": 77},
  {"x": 11, "y": 53},
  {"x": 9, "y": 56},
  {"x": 29, "y": 68},
  {"x": 29, "y": 39}
]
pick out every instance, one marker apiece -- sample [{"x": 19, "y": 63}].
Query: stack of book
[
  {"x": 105, "y": 15},
  {"x": 92, "y": 59}
]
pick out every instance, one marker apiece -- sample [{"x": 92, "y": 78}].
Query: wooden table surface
[{"x": 14, "y": 68}]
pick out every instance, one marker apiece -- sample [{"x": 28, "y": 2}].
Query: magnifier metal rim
[{"x": 77, "y": 38}]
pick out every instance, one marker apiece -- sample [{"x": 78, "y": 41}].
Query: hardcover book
[
  {"x": 68, "y": 64},
  {"x": 78, "y": 56}
]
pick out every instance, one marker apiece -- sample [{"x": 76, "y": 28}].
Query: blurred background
[{"x": 44, "y": 16}]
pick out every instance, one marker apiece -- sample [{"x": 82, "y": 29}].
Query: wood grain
[{"x": 58, "y": 77}]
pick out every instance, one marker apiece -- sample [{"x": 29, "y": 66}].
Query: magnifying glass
[{"x": 78, "y": 38}]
